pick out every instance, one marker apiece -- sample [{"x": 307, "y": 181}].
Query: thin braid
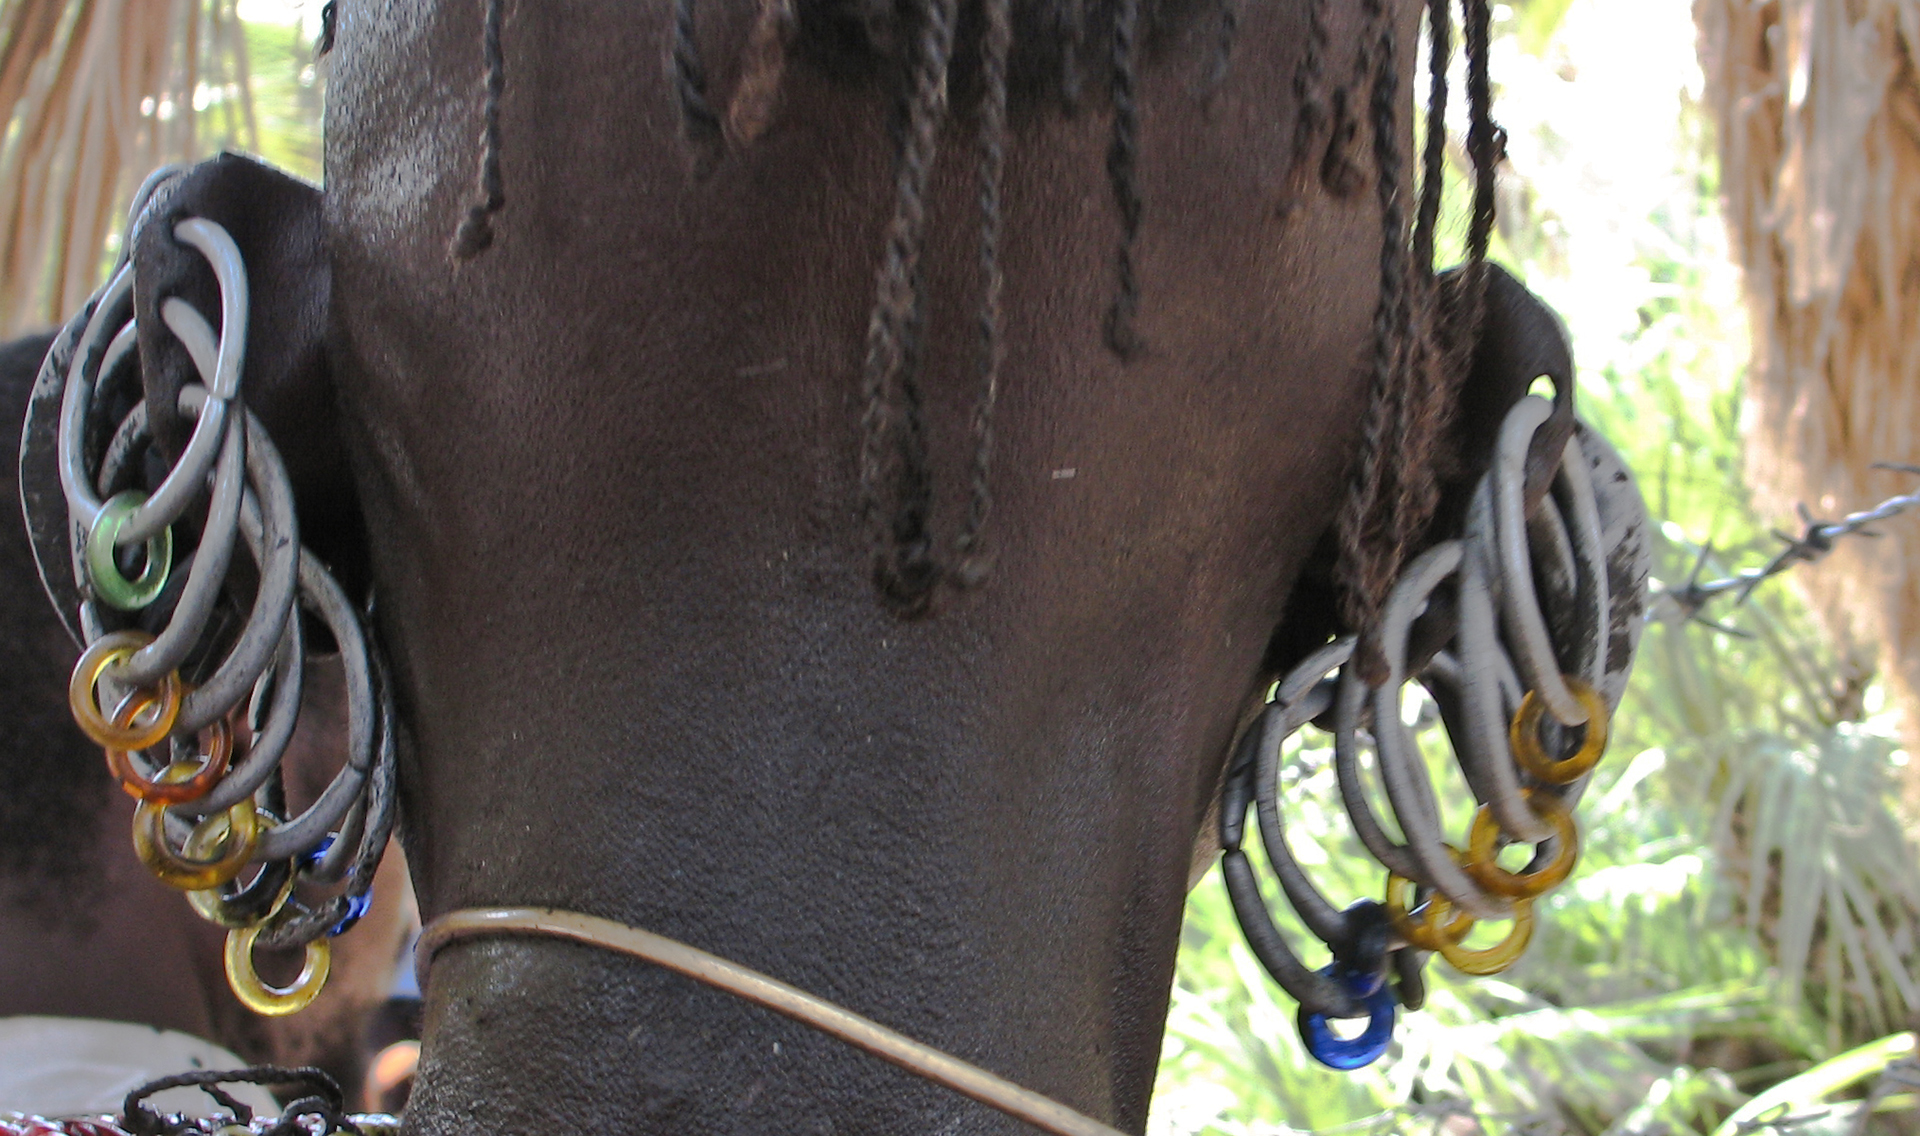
[
  {"x": 475, "y": 235},
  {"x": 903, "y": 567},
  {"x": 1485, "y": 146},
  {"x": 1431, "y": 373},
  {"x": 1123, "y": 174},
  {"x": 1229, "y": 11},
  {"x": 1072, "y": 22},
  {"x": 1421, "y": 392},
  {"x": 1433, "y": 172},
  {"x": 1310, "y": 99},
  {"x": 1483, "y": 137},
  {"x": 698, "y": 122},
  {"x": 1365, "y": 530},
  {"x": 1466, "y": 294},
  {"x": 995, "y": 43}
]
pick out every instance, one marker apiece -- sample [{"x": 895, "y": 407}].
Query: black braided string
[
  {"x": 1434, "y": 156},
  {"x": 995, "y": 43},
  {"x": 325, "y": 1101},
  {"x": 698, "y": 122},
  {"x": 904, "y": 569},
  {"x": 1123, "y": 155},
  {"x": 475, "y": 235},
  {"x": 1228, "y": 12}
]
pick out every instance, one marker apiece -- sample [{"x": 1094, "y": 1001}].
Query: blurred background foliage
[
  {"x": 1734, "y": 955},
  {"x": 1748, "y": 899}
]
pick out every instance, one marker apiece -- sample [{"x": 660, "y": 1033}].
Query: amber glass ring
[
  {"x": 274, "y": 1001},
  {"x": 216, "y": 753},
  {"x": 1524, "y": 735},
  {"x": 229, "y": 835},
  {"x": 1498, "y": 957},
  {"x": 1428, "y": 925},
  {"x": 150, "y": 724},
  {"x": 1483, "y": 849}
]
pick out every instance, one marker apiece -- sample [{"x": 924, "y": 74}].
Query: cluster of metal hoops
[
  {"x": 203, "y": 757},
  {"x": 1538, "y": 608}
]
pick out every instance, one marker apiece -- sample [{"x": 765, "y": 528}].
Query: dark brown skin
[{"x": 608, "y": 477}]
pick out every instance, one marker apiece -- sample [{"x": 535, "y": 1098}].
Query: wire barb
[{"x": 1816, "y": 540}]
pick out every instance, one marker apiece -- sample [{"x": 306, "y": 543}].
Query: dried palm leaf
[
  {"x": 96, "y": 94},
  {"x": 1818, "y": 107}
]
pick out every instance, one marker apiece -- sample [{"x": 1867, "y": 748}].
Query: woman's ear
[{"x": 278, "y": 223}]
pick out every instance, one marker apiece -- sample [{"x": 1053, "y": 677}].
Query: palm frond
[{"x": 96, "y": 94}]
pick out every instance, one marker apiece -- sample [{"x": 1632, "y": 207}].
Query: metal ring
[
  {"x": 325, "y": 596},
  {"x": 1348, "y": 702},
  {"x": 1403, "y": 770},
  {"x": 208, "y": 571},
  {"x": 274, "y": 1001},
  {"x": 188, "y": 476},
  {"x": 189, "y": 872},
  {"x": 1481, "y": 745},
  {"x": 75, "y": 401},
  {"x": 1350, "y": 1053},
  {"x": 83, "y": 695},
  {"x": 216, "y": 745},
  {"x": 1581, "y": 514},
  {"x": 1520, "y": 606},
  {"x": 1524, "y": 736},
  {"x": 1313, "y": 990},
  {"x": 184, "y": 481},
  {"x": 1498, "y": 957},
  {"x": 286, "y": 676},
  {"x": 273, "y": 538},
  {"x": 103, "y": 574},
  {"x": 1300, "y": 697},
  {"x": 1623, "y": 528},
  {"x": 1483, "y": 850},
  {"x": 124, "y": 344}
]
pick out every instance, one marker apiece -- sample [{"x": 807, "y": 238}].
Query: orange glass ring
[
  {"x": 1483, "y": 849},
  {"x": 275, "y": 1001},
  {"x": 231, "y": 834},
  {"x": 150, "y": 723},
  {"x": 1498, "y": 957},
  {"x": 1524, "y": 735},
  {"x": 216, "y": 752},
  {"x": 1417, "y": 924}
]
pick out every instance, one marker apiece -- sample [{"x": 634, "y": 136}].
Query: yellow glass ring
[
  {"x": 150, "y": 724},
  {"x": 275, "y": 1001},
  {"x": 1483, "y": 849},
  {"x": 1524, "y": 735},
  {"x": 211, "y": 905},
  {"x": 240, "y": 909},
  {"x": 1498, "y": 957},
  {"x": 1417, "y": 924},
  {"x": 216, "y": 751},
  {"x": 232, "y": 832}
]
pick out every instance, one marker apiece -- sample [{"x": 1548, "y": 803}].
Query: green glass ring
[{"x": 113, "y": 588}]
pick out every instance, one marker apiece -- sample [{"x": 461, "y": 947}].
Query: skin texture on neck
[{"x": 608, "y": 472}]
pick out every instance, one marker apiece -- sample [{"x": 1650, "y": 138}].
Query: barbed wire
[{"x": 1817, "y": 539}]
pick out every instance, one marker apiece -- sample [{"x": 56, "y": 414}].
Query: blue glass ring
[
  {"x": 1352, "y": 1053},
  {"x": 357, "y": 906}
]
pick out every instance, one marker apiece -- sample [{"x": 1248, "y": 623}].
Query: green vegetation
[{"x": 1746, "y": 903}]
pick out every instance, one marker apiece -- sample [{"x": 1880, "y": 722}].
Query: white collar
[{"x": 86, "y": 1067}]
